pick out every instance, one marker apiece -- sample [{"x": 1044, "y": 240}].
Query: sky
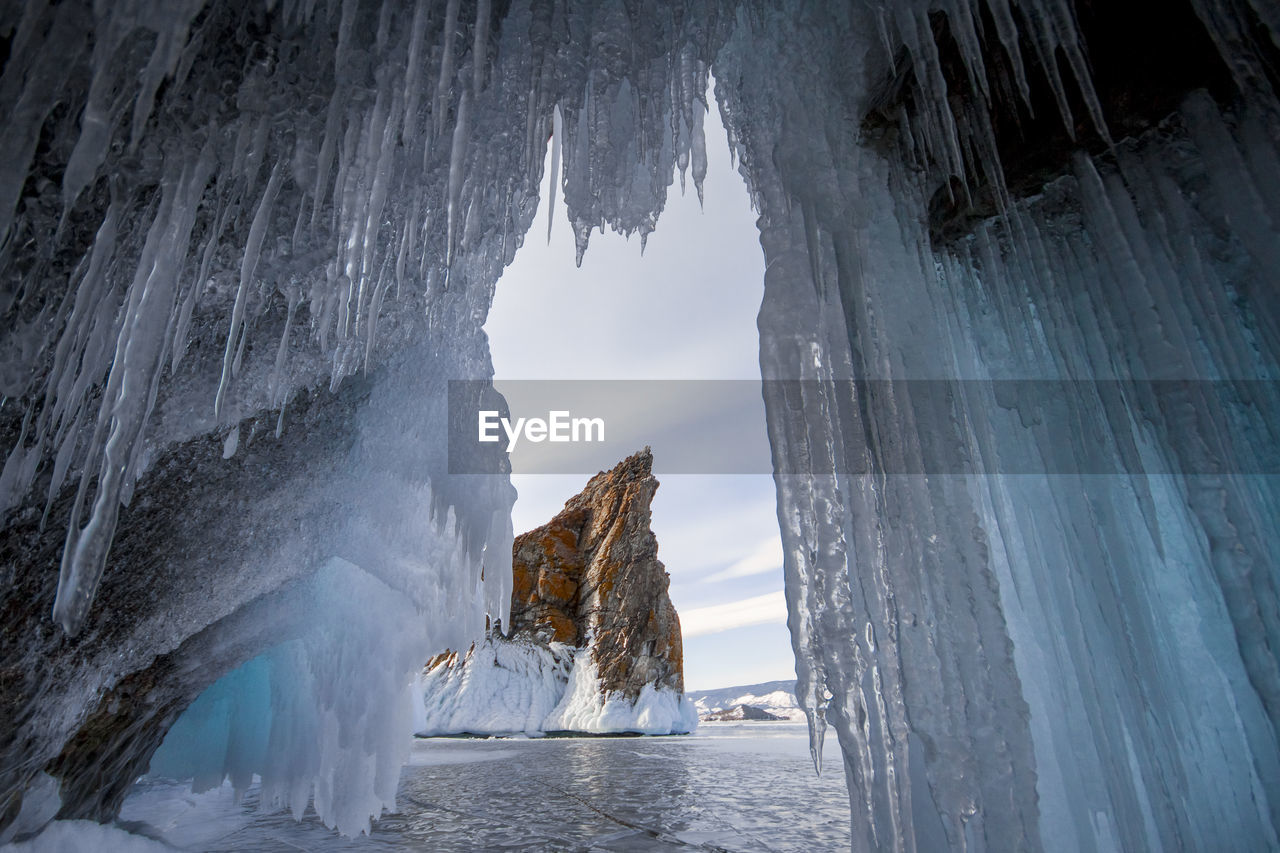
[{"x": 686, "y": 309}]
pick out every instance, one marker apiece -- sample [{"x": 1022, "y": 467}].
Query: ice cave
[{"x": 1019, "y": 343}]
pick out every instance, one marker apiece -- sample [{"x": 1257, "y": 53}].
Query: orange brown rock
[{"x": 591, "y": 577}]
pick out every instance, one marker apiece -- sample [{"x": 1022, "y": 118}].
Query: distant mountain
[
  {"x": 740, "y": 712},
  {"x": 774, "y": 697}
]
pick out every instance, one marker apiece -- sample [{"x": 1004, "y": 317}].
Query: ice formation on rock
[
  {"x": 586, "y": 707},
  {"x": 504, "y": 687},
  {"x": 496, "y": 687},
  {"x": 270, "y": 231}
]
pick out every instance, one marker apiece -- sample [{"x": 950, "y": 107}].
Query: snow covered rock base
[{"x": 505, "y": 687}]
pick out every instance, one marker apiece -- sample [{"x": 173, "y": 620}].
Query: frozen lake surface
[{"x": 729, "y": 786}]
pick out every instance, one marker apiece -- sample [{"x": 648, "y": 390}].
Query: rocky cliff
[
  {"x": 594, "y": 641},
  {"x": 591, "y": 576}
]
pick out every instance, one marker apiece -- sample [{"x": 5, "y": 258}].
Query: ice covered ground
[
  {"x": 727, "y": 787},
  {"x": 508, "y": 687}
]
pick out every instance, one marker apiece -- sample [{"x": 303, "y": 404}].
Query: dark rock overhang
[{"x": 1143, "y": 59}]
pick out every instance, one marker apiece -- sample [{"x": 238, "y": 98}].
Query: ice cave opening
[
  {"x": 678, "y": 314},
  {"x": 672, "y": 323},
  {"x": 1018, "y": 343}
]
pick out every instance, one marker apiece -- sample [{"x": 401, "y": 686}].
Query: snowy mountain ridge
[{"x": 774, "y": 697}]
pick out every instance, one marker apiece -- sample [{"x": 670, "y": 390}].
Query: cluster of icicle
[
  {"x": 1050, "y": 660},
  {"x": 299, "y": 181},
  {"x": 319, "y": 718},
  {"x": 208, "y": 206}
]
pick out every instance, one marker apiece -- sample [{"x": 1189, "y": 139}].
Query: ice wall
[
  {"x": 244, "y": 247},
  {"x": 1021, "y": 652},
  {"x": 320, "y": 718}
]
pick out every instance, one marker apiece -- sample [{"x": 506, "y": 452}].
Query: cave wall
[
  {"x": 1021, "y": 653},
  {"x": 216, "y": 213},
  {"x": 270, "y": 232}
]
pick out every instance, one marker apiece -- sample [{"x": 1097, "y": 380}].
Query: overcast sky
[{"x": 685, "y": 310}]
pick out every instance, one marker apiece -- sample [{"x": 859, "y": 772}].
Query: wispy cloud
[
  {"x": 760, "y": 610},
  {"x": 766, "y": 557}
]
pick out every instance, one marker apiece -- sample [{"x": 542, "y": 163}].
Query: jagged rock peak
[
  {"x": 594, "y": 642},
  {"x": 591, "y": 577}
]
